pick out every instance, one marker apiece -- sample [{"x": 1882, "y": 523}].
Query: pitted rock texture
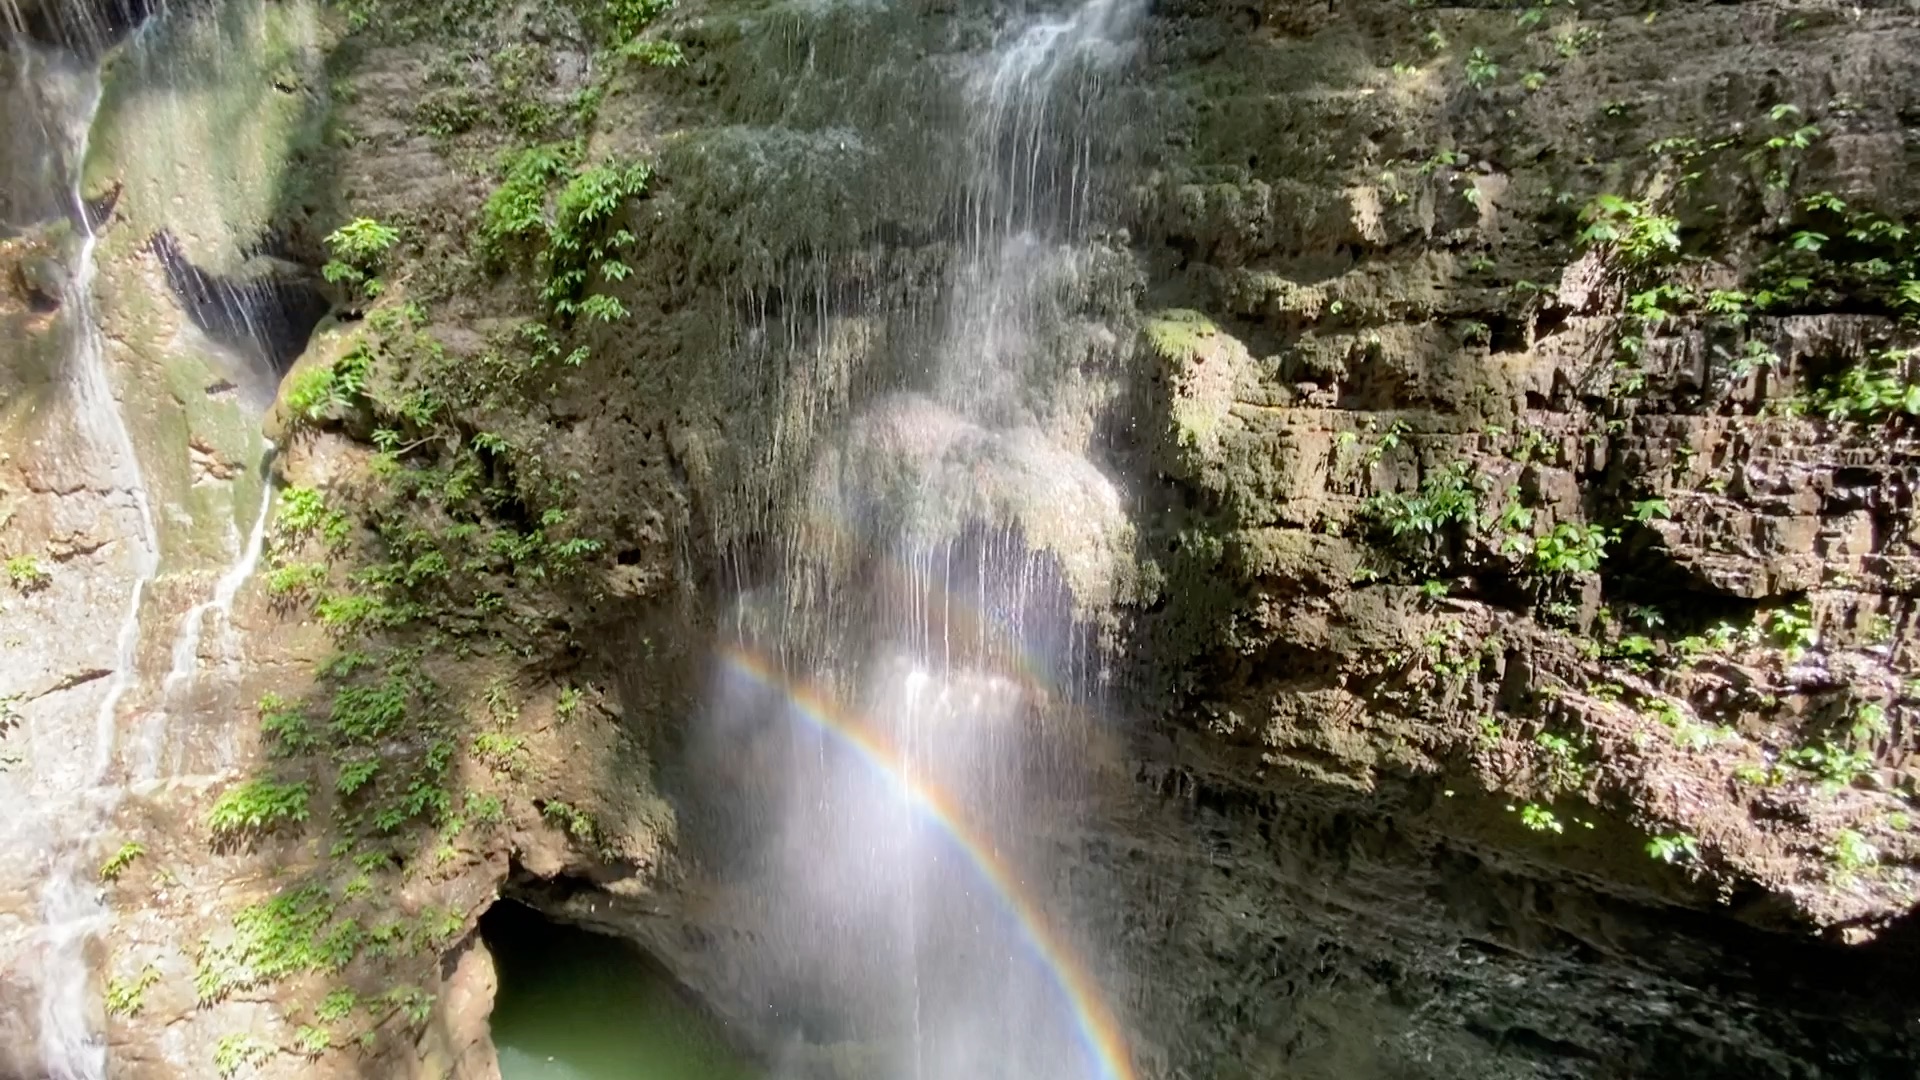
[{"x": 1425, "y": 804}]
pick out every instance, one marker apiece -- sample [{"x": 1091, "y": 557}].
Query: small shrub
[
  {"x": 1837, "y": 766},
  {"x": 26, "y": 574},
  {"x": 286, "y": 725},
  {"x": 354, "y": 775},
  {"x": 486, "y": 809},
  {"x": 289, "y": 934},
  {"x": 413, "y": 1003},
  {"x": 317, "y": 393},
  {"x": 1872, "y": 392},
  {"x": 1560, "y": 769},
  {"x": 336, "y": 1006},
  {"x": 359, "y": 252},
  {"x": 1481, "y": 69},
  {"x": 1571, "y": 549},
  {"x": 578, "y": 823},
  {"x": 118, "y": 862},
  {"x": 296, "y": 579},
  {"x": 366, "y": 714},
  {"x": 258, "y": 806},
  {"x": 1851, "y": 853},
  {"x": 311, "y": 1040},
  {"x": 235, "y": 1052},
  {"x": 126, "y": 996},
  {"x": 1646, "y": 510},
  {"x": 1636, "y": 234},
  {"x": 1540, "y": 819},
  {"x": 1679, "y": 847},
  {"x": 1791, "y": 629},
  {"x": 1447, "y": 497}
]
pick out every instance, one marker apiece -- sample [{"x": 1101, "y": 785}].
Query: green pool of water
[{"x": 578, "y": 1006}]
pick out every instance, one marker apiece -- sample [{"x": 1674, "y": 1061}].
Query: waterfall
[
  {"x": 152, "y": 740},
  {"x": 71, "y": 795},
  {"x": 912, "y": 695}
]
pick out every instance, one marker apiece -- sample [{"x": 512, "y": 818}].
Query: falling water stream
[
  {"x": 153, "y": 736},
  {"x": 71, "y": 770},
  {"x": 918, "y": 681}
]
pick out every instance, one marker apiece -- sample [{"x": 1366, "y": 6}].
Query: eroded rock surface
[{"x": 1487, "y": 429}]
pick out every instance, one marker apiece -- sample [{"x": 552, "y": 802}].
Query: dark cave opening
[{"x": 578, "y": 1005}]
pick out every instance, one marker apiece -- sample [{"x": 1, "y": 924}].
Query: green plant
[
  {"x": 311, "y": 1041},
  {"x": 1777, "y": 151},
  {"x": 654, "y": 52},
  {"x": 1636, "y": 234},
  {"x": 1729, "y": 304},
  {"x": 1534, "y": 13},
  {"x": 413, "y": 1003},
  {"x": 118, "y": 862},
  {"x": 1837, "y": 766},
  {"x": 26, "y": 573},
  {"x": 1447, "y": 496},
  {"x": 1851, "y": 853},
  {"x": 367, "y": 713},
  {"x": 320, "y": 391},
  {"x": 1571, "y": 549},
  {"x": 498, "y": 748},
  {"x": 1646, "y": 510},
  {"x": 349, "y": 613},
  {"x": 1635, "y": 651},
  {"x": 1870, "y": 392},
  {"x": 237, "y": 1051},
  {"x": 293, "y": 933},
  {"x": 125, "y": 996},
  {"x": 354, "y": 775},
  {"x": 1481, "y": 69},
  {"x": 1647, "y": 615},
  {"x": 578, "y": 823},
  {"x": 296, "y": 579},
  {"x": 486, "y": 809},
  {"x": 1869, "y": 723},
  {"x": 258, "y": 806},
  {"x": 336, "y": 1006},
  {"x": 1570, "y": 44},
  {"x": 1754, "y": 356},
  {"x": 1791, "y": 628},
  {"x": 359, "y": 251},
  {"x": 1560, "y": 762},
  {"x": 303, "y": 511},
  {"x": 578, "y": 243},
  {"x": 286, "y": 725},
  {"x": 1540, "y": 819},
  {"x": 1679, "y": 847}
]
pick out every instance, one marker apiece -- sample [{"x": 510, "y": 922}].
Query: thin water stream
[{"x": 67, "y": 765}]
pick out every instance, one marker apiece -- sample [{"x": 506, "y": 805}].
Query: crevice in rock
[{"x": 271, "y": 316}]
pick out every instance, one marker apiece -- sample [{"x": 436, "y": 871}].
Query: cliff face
[{"x": 1507, "y": 615}]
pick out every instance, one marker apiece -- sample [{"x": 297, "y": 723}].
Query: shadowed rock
[
  {"x": 85, "y": 26},
  {"x": 273, "y": 315}
]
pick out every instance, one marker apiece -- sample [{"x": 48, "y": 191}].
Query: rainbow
[{"x": 1100, "y": 1033}]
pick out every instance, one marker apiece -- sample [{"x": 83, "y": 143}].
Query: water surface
[{"x": 580, "y": 1006}]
